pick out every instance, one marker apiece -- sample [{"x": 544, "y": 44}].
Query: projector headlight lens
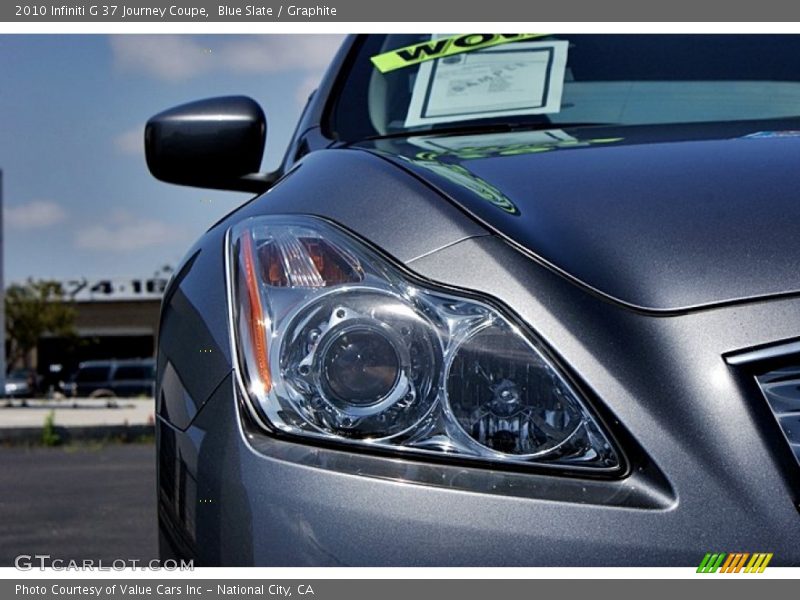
[
  {"x": 334, "y": 342},
  {"x": 360, "y": 365}
]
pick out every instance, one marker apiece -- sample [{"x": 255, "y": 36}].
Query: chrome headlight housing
[{"x": 332, "y": 341}]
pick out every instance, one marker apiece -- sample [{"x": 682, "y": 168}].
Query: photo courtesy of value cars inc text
[{"x": 167, "y": 590}]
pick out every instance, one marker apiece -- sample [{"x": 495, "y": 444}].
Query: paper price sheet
[{"x": 526, "y": 78}]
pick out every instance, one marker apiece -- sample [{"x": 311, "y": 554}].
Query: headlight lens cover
[{"x": 336, "y": 343}]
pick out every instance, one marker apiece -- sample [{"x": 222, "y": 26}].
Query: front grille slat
[
  {"x": 783, "y": 397},
  {"x": 796, "y": 450},
  {"x": 781, "y": 388}
]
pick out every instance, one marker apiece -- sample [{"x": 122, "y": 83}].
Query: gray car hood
[{"x": 670, "y": 218}]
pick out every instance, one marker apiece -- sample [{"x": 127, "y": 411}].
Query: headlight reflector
[
  {"x": 361, "y": 363},
  {"x": 334, "y": 342},
  {"x": 507, "y": 398}
]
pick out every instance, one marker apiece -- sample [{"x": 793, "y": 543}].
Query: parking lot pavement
[
  {"x": 81, "y": 412},
  {"x": 78, "y": 503}
]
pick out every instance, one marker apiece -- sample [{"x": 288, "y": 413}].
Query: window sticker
[
  {"x": 526, "y": 79},
  {"x": 439, "y": 47}
]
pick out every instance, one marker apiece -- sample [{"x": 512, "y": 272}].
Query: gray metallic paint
[
  {"x": 410, "y": 225},
  {"x": 710, "y": 471},
  {"x": 727, "y": 483},
  {"x": 655, "y": 220},
  {"x": 334, "y": 507}
]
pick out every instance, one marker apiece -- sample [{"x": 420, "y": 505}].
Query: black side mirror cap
[{"x": 214, "y": 143}]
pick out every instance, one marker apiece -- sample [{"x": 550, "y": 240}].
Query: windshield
[
  {"x": 92, "y": 374},
  {"x": 142, "y": 372},
  {"x": 563, "y": 80},
  {"x": 19, "y": 374}
]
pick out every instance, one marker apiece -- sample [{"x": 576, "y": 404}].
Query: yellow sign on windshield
[{"x": 446, "y": 46}]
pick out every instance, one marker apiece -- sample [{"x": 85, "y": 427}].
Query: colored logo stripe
[
  {"x": 711, "y": 563},
  {"x": 734, "y": 562},
  {"x": 758, "y": 563}
]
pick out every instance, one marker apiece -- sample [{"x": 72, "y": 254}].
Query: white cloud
[
  {"x": 181, "y": 57},
  {"x": 124, "y": 232},
  {"x": 131, "y": 141},
  {"x": 36, "y": 214},
  {"x": 273, "y": 53},
  {"x": 169, "y": 57}
]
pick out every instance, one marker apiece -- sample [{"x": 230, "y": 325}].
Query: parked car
[
  {"x": 506, "y": 302},
  {"x": 21, "y": 383},
  {"x": 114, "y": 378}
]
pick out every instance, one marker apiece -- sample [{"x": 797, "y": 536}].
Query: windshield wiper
[{"x": 487, "y": 128}]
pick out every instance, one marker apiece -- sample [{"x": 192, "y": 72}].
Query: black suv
[{"x": 114, "y": 378}]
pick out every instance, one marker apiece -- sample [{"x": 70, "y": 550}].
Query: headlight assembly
[{"x": 334, "y": 342}]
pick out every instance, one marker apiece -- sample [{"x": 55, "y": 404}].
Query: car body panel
[
  {"x": 17, "y": 389},
  {"x": 641, "y": 308},
  {"x": 410, "y": 220},
  {"x": 661, "y": 218},
  {"x": 701, "y": 429}
]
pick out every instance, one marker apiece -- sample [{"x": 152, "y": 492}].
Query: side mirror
[{"x": 214, "y": 143}]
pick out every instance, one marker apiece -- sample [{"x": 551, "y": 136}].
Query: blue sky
[{"x": 78, "y": 199}]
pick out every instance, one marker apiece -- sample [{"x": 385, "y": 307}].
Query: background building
[{"x": 115, "y": 318}]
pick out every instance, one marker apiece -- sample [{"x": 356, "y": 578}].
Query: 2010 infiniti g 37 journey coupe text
[{"x": 509, "y": 300}]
